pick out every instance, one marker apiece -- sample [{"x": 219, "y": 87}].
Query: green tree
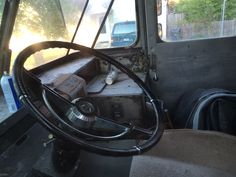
[
  {"x": 72, "y": 10},
  {"x": 2, "y": 3},
  {"x": 42, "y": 16},
  {"x": 204, "y": 11}
]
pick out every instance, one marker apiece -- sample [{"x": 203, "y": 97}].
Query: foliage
[
  {"x": 41, "y": 16},
  {"x": 31, "y": 22},
  {"x": 171, "y": 6},
  {"x": 2, "y": 3},
  {"x": 204, "y": 11},
  {"x": 72, "y": 10}
]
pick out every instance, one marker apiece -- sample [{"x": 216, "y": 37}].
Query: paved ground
[{"x": 4, "y": 113}]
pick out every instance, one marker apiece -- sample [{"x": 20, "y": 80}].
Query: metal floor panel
[{"x": 20, "y": 159}]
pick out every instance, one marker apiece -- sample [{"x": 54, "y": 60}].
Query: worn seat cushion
[{"x": 184, "y": 153}]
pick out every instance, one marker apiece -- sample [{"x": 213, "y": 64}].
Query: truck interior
[{"x": 115, "y": 88}]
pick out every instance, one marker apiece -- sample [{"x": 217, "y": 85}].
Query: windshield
[
  {"x": 123, "y": 28},
  {"x": 2, "y": 3},
  {"x": 86, "y": 22}
]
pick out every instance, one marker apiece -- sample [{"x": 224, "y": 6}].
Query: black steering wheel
[{"x": 84, "y": 133}]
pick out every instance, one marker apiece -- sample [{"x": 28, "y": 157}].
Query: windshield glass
[
  {"x": 2, "y": 3},
  {"x": 91, "y": 22},
  {"x": 181, "y": 20},
  {"x": 42, "y": 20}
]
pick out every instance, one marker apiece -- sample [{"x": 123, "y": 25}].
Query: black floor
[{"x": 28, "y": 157}]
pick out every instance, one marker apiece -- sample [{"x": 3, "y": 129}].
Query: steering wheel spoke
[
  {"x": 100, "y": 124},
  {"x": 59, "y": 100},
  {"x": 80, "y": 122},
  {"x": 131, "y": 129}
]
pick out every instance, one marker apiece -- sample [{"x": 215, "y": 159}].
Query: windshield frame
[
  {"x": 6, "y": 29},
  {"x": 2, "y": 10}
]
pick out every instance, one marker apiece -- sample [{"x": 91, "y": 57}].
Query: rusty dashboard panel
[
  {"x": 86, "y": 67},
  {"x": 122, "y": 101}
]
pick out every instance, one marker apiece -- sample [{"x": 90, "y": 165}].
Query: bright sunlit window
[
  {"x": 42, "y": 20},
  {"x": 196, "y": 19}
]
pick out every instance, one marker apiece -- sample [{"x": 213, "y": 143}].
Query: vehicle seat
[{"x": 185, "y": 153}]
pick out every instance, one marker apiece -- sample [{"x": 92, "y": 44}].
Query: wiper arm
[
  {"x": 78, "y": 24},
  {"x": 102, "y": 24}
]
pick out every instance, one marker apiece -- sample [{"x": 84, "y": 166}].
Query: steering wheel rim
[{"x": 18, "y": 72}]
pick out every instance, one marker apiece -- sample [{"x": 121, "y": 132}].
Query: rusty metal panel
[
  {"x": 75, "y": 66},
  {"x": 122, "y": 101}
]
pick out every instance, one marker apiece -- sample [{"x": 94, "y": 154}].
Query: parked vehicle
[{"x": 123, "y": 34}]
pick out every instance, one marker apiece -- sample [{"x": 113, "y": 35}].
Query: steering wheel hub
[{"x": 83, "y": 114}]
